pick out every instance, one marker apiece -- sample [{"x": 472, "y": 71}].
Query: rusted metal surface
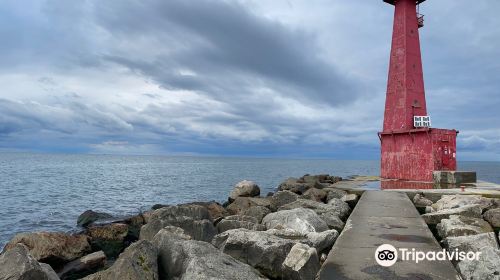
[{"x": 410, "y": 153}]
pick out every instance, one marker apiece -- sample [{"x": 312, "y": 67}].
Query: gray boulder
[
  {"x": 281, "y": 198},
  {"x": 487, "y": 267},
  {"x": 215, "y": 210},
  {"x": 84, "y": 265},
  {"x": 334, "y": 193},
  {"x": 299, "y": 219},
  {"x": 185, "y": 259},
  {"x": 258, "y": 212},
  {"x": 301, "y": 263},
  {"x": 108, "y": 238},
  {"x": 53, "y": 248},
  {"x": 351, "y": 199},
  {"x": 239, "y": 221},
  {"x": 244, "y": 189},
  {"x": 259, "y": 249},
  {"x": 334, "y": 206},
  {"x": 293, "y": 185},
  {"x": 461, "y": 225},
  {"x": 474, "y": 243},
  {"x": 137, "y": 262},
  {"x": 493, "y": 217},
  {"x": 435, "y": 218},
  {"x": 49, "y": 271},
  {"x": 315, "y": 194},
  {"x": 241, "y": 204},
  {"x": 88, "y": 217},
  {"x": 322, "y": 241},
  {"x": 17, "y": 264},
  {"x": 421, "y": 201},
  {"x": 456, "y": 201}
]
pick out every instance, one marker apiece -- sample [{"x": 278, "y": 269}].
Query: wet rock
[
  {"x": 315, "y": 194},
  {"x": 334, "y": 193},
  {"x": 493, "y": 217},
  {"x": 351, "y": 199},
  {"x": 193, "y": 219},
  {"x": 487, "y": 267},
  {"x": 334, "y": 206},
  {"x": 215, "y": 210},
  {"x": 180, "y": 258},
  {"x": 259, "y": 249},
  {"x": 109, "y": 238},
  {"x": 281, "y": 198},
  {"x": 239, "y": 221},
  {"x": 299, "y": 219},
  {"x": 421, "y": 201},
  {"x": 241, "y": 204},
  {"x": 244, "y": 189},
  {"x": 53, "y": 248},
  {"x": 302, "y": 263},
  {"x": 461, "y": 225},
  {"x": 435, "y": 218},
  {"x": 258, "y": 212},
  {"x": 17, "y": 264},
  {"x": 83, "y": 266},
  {"x": 322, "y": 241},
  {"x": 456, "y": 201},
  {"x": 137, "y": 262},
  {"x": 88, "y": 217},
  {"x": 471, "y": 243}
]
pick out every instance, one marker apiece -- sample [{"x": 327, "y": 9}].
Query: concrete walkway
[{"x": 382, "y": 217}]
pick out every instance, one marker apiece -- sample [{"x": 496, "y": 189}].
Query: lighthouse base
[{"x": 415, "y": 154}]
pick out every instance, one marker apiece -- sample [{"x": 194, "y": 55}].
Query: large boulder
[
  {"x": 471, "y": 243},
  {"x": 281, "y": 198},
  {"x": 322, "y": 241},
  {"x": 194, "y": 219},
  {"x": 88, "y": 217},
  {"x": 244, "y": 189},
  {"x": 301, "y": 263},
  {"x": 54, "y": 248},
  {"x": 17, "y": 264},
  {"x": 182, "y": 258},
  {"x": 493, "y": 217},
  {"x": 215, "y": 209},
  {"x": 456, "y": 201},
  {"x": 334, "y": 193},
  {"x": 138, "y": 262},
  {"x": 351, "y": 199},
  {"x": 315, "y": 194},
  {"x": 299, "y": 219},
  {"x": 241, "y": 204},
  {"x": 334, "y": 206},
  {"x": 83, "y": 266},
  {"x": 239, "y": 221},
  {"x": 258, "y": 212},
  {"x": 293, "y": 185},
  {"x": 435, "y": 218},
  {"x": 461, "y": 225},
  {"x": 421, "y": 201},
  {"x": 109, "y": 238},
  {"x": 487, "y": 267},
  {"x": 259, "y": 249}
]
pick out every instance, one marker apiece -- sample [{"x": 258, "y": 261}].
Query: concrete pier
[{"x": 382, "y": 217}]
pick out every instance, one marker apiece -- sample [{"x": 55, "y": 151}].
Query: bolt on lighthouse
[{"x": 410, "y": 148}]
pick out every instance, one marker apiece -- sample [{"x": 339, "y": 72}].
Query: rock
[
  {"x": 49, "y": 271},
  {"x": 315, "y": 194},
  {"x": 456, "y": 201},
  {"x": 487, "y": 267},
  {"x": 302, "y": 263},
  {"x": 258, "y": 212},
  {"x": 193, "y": 219},
  {"x": 244, "y": 189},
  {"x": 88, "y": 217},
  {"x": 239, "y": 221},
  {"x": 17, "y": 264},
  {"x": 299, "y": 219},
  {"x": 474, "y": 243},
  {"x": 322, "y": 241},
  {"x": 134, "y": 223},
  {"x": 351, "y": 199},
  {"x": 435, "y": 218},
  {"x": 241, "y": 204},
  {"x": 215, "y": 210},
  {"x": 53, "y": 248},
  {"x": 334, "y": 206},
  {"x": 493, "y": 217},
  {"x": 421, "y": 201},
  {"x": 428, "y": 209},
  {"x": 83, "y": 266},
  {"x": 159, "y": 206},
  {"x": 269, "y": 194},
  {"x": 259, "y": 249},
  {"x": 334, "y": 193},
  {"x": 461, "y": 225},
  {"x": 333, "y": 221},
  {"x": 180, "y": 258},
  {"x": 281, "y": 198},
  {"x": 137, "y": 262},
  {"x": 108, "y": 238},
  {"x": 293, "y": 185}
]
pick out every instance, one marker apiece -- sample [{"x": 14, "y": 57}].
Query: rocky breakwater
[
  {"x": 285, "y": 235},
  {"x": 466, "y": 223}
]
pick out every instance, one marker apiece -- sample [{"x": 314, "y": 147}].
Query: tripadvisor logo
[{"x": 387, "y": 255}]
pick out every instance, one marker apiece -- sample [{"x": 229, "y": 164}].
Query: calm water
[{"x": 48, "y": 192}]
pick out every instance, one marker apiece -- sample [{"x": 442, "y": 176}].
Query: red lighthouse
[{"x": 411, "y": 148}]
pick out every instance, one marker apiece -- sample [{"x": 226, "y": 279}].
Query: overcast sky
[{"x": 278, "y": 78}]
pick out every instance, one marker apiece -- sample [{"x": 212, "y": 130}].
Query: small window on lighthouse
[{"x": 421, "y": 121}]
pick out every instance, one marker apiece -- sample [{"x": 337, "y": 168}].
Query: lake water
[{"x": 47, "y": 192}]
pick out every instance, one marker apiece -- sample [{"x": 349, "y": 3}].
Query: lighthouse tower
[{"x": 410, "y": 148}]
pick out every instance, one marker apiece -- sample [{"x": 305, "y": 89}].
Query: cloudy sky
[{"x": 274, "y": 78}]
